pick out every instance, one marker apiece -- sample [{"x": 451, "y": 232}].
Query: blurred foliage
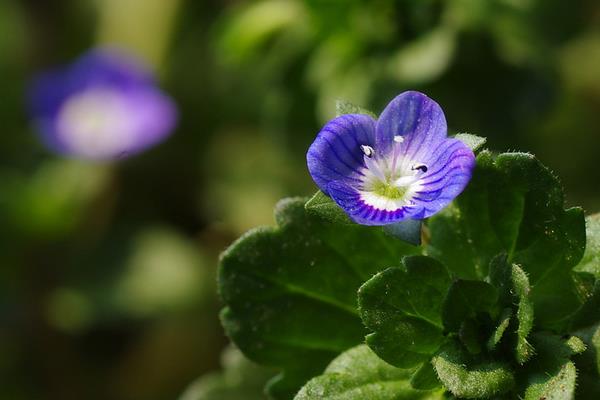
[
  {"x": 239, "y": 379},
  {"x": 120, "y": 23},
  {"x": 107, "y": 279}
]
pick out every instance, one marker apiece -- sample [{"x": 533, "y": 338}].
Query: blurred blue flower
[
  {"x": 104, "y": 106},
  {"x": 401, "y": 166}
]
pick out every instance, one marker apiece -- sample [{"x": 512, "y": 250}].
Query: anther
[
  {"x": 368, "y": 150},
  {"x": 420, "y": 167},
  {"x": 398, "y": 139}
]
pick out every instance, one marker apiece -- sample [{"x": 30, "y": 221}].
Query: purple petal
[
  {"x": 336, "y": 155},
  {"x": 349, "y": 199},
  {"x": 415, "y": 117},
  {"x": 449, "y": 172}
]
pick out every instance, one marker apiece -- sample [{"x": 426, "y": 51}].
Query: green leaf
[
  {"x": 553, "y": 348},
  {"x": 285, "y": 384},
  {"x": 469, "y": 335},
  {"x": 473, "y": 141},
  {"x": 290, "y": 291},
  {"x": 471, "y": 378},
  {"x": 590, "y": 262},
  {"x": 498, "y": 333},
  {"x": 343, "y": 107},
  {"x": 402, "y": 306},
  {"x": 552, "y": 375},
  {"x": 425, "y": 378},
  {"x": 513, "y": 284},
  {"x": 588, "y": 272},
  {"x": 515, "y": 205},
  {"x": 558, "y": 384},
  {"x": 465, "y": 300},
  {"x": 359, "y": 374},
  {"x": 239, "y": 379},
  {"x": 324, "y": 207}
]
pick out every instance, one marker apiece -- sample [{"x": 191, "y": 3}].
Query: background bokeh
[{"x": 107, "y": 271}]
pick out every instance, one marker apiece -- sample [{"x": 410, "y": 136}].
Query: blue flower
[
  {"x": 104, "y": 106},
  {"x": 401, "y": 166}
]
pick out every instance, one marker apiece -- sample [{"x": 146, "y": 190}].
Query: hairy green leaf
[
  {"x": 471, "y": 378},
  {"x": 590, "y": 262},
  {"x": 323, "y": 206},
  {"x": 553, "y": 348},
  {"x": 513, "y": 284},
  {"x": 558, "y": 384},
  {"x": 402, "y": 306},
  {"x": 498, "y": 333},
  {"x": 466, "y": 299},
  {"x": 551, "y": 375},
  {"x": 473, "y": 141},
  {"x": 515, "y": 205},
  {"x": 359, "y": 374},
  {"x": 290, "y": 291},
  {"x": 589, "y": 277}
]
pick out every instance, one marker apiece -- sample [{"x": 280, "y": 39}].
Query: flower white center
[
  {"x": 390, "y": 181},
  {"x": 96, "y": 123}
]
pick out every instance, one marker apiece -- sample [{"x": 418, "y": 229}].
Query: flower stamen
[
  {"x": 367, "y": 150},
  {"x": 419, "y": 167},
  {"x": 391, "y": 179},
  {"x": 370, "y": 162}
]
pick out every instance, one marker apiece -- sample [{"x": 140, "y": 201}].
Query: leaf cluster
[{"x": 500, "y": 301}]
